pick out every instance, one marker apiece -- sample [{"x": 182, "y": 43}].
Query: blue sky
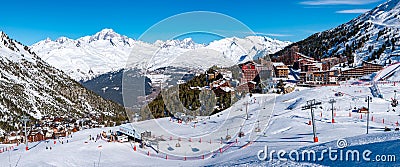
[{"x": 32, "y": 21}]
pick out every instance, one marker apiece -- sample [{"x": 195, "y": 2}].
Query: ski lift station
[{"x": 133, "y": 131}]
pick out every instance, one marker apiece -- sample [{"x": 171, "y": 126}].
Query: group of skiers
[
  {"x": 60, "y": 141},
  {"x": 99, "y": 136}
]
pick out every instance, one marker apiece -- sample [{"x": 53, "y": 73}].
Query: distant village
[
  {"x": 307, "y": 71},
  {"x": 50, "y": 128}
]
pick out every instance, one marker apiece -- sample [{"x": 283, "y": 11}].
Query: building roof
[
  {"x": 307, "y": 57},
  {"x": 131, "y": 130},
  {"x": 278, "y": 64},
  {"x": 354, "y": 68},
  {"x": 282, "y": 68},
  {"x": 14, "y": 137},
  {"x": 308, "y": 60},
  {"x": 227, "y": 89},
  {"x": 365, "y": 62}
]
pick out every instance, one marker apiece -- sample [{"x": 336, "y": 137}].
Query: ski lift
[
  {"x": 394, "y": 103},
  {"x": 394, "y": 100},
  {"x": 339, "y": 94},
  {"x": 257, "y": 129},
  {"x": 228, "y": 137},
  {"x": 241, "y": 134}
]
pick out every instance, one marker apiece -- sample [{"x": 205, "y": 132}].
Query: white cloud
[
  {"x": 251, "y": 33},
  {"x": 353, "y": 11},
  {"x": 278, "y": 35},
  {"x": 338, "y": 2}
]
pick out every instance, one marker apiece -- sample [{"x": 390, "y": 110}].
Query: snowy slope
[
  {"x": 381, "y": 25},
  {"x": 284, "y": 130},
  {"x": 30, "y": 86},
  {"x": 373, "y": 36},
  {"x": 107, "y": 51}
]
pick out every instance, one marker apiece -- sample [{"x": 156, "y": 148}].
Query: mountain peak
[
  {"x": 3, "y": 35},
  {"x": 105, "y": 34},
  {"x": 385, "y": 14},
  {"x": 186, "y": 43},
  {"x": 391, "y": 4},
  {"x": 61, "y": 40},
  {"x": 6, "y": 41},
  {"x": 47, "y": 39},
  {"x": 107, "y": 31}
]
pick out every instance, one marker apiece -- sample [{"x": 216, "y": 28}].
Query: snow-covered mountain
[
  {"x": 373, "y": 36},
  {"x": 87, "y": 56},
  {"x": 30, "y": 86},
  {"x": 105, "y": 51}
]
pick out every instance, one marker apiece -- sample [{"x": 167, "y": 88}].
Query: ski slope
[{"x": 281, "y": 128}]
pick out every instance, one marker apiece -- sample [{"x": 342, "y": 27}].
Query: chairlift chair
[
  {"x": 394, "y": 103},
  {"x": 228, "y": 137},
  {"x": 241, "y": 134},
  {"x": 257, "y": 129}
]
